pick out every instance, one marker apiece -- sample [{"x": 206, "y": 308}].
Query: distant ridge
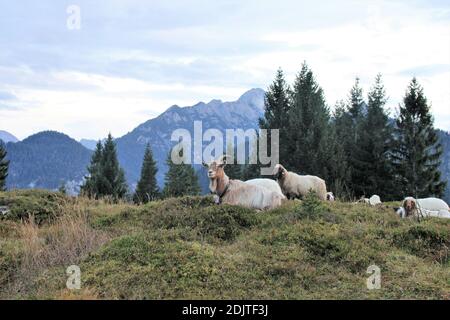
[
  {"x": 47, "y": 160},
  {"x": 6, "y": 137}
]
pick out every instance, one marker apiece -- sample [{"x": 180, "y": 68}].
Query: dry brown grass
[{"x": 63, "y": 243}]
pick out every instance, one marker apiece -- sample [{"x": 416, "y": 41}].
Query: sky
[{"x": 131, "y": 60}]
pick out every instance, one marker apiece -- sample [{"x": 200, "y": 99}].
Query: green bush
[
  {"x": 45, "y": 206},
  {"x": 222, "y": 222}
]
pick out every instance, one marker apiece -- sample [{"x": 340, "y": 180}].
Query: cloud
[
  {"x": 426, "y": 70},
  {"x": 133, "y": 59}
]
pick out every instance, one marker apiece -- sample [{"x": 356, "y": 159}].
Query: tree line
[
  {"x": 357, "y": 148},
  {"x": 107, "y": 179}
]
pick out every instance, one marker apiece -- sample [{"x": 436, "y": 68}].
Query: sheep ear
[{"x": 205, "y": 164}]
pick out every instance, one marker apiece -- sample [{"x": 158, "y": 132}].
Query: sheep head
[
  {"x": 410, "y": 206},
  {"x": 279, "y": 172}
]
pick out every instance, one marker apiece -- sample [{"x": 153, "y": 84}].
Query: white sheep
[
  {"x": 236, "y": 192},
  {"x": 428, "y": 207},
  {"x": 297, "y": 186},
  {"x": 268, "y": 184},
  {"x": 374, "y": 200}
]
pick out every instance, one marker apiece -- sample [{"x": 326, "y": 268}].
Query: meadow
[{"x": 190, "y": 248}]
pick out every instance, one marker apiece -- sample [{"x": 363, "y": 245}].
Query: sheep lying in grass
[
  {"x": 297, "y": 186},
  {"x": 268, "y": 184},
  {"x": 428, "y": 207},
  {"x": 374, "y": 200},
  {"x": 237, "y": 192}
]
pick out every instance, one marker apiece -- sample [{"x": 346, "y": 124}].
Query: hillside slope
[
  {"x": 47, "y": 160},
  {"x": 445, "y": 167},
  {"x": 188, "y": 248}
]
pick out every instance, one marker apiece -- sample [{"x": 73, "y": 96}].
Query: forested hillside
[
  {"x": 47, "y": 160},
  {"x": 445, "y": 167}
]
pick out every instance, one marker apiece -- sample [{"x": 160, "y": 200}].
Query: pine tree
[
  {"x": 180, "y": 180},
  {"x": 147, "y": 187},
  {"x": 91, "y": 186},
  {"x": 417, "y": 153},
  {"x": 348, "y": 117},
  {"x": 309, "y": 144},
  {"x": 4, "y": 164},
  {"x": 233, "y": 170},
  {"x": 251, "y": 170},
  {"x": 276, "y": 106},
  {"x": 114, "y": 176},
  {"x": 371, "y": 161},
  {"x": 106, "y": 177},
  {"x": 356, "y": 101}
]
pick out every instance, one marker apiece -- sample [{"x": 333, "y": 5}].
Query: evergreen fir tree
[
  {"x": 180, "y": 180},
  {"x": 91, "y": 186},
  {"x": 106, "y": 177},
  {"x": 309, "y": 144},
  {"x": 276, "y": 107},
  {"x": 348, "y": 118},
  {"x": 417, "y": 153},
  {"x": 4, "y": 164},
  {"x": 233, "y": 170},
  {"x": 356, "y": 101},
  {"x": 371, "y": 161},
  {"x": 114, "y": 176},
  {"x": 147, "y": 187},
  {"x": 251, "y": 171}
]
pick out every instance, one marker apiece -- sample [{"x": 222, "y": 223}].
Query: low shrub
[
  {"x": 43, "y": 205},
  {"x": 223, "y": 222},
  {"x": 425, "y": 240}
]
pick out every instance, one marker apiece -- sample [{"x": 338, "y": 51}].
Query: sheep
[
  {"x": 330, "y": 197},
  {"x": 268, "y": 184},
  {"x": 296, "y": 186},
  {"x": 428, "y": 207},
  {"x": 374, "y": 200},
  {"x": 237, "y": 192}
]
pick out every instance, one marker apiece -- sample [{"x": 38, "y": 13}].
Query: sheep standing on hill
[
  {"x": 268, "y": 184},
  {"x": 428, "y": 207},
  {"x": 237, "y": 192},
  {"x": 297, "y": 186}
]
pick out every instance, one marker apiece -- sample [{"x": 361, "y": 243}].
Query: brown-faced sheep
[{"x": 420, "y": 208}]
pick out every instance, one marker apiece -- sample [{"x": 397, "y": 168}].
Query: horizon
[{"x": 129, "y": 62}]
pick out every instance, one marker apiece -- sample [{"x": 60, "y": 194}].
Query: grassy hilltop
[{"x": 190, "y": 248}]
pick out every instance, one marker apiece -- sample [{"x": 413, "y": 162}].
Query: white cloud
[{"x": 131, "y": 61}]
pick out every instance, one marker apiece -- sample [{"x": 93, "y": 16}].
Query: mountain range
[{"x": 50, "y": 159}]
